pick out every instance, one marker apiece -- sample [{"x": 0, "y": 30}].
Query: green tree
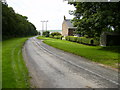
[
  {"x": 15, "y": 25},
  {"x": 92, "y": 18},
  {"x": 46, "y": 33},
  {"x": 55, "y": 34}
]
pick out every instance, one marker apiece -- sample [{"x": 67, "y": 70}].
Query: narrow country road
[{"x": 53, "y": 68}]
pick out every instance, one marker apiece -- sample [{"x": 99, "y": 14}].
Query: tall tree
[
  {"x": 15, "y": 25},
  {"x": 92, "y": 18}
]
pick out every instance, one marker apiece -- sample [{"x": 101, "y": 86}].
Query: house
[{"x": 67, "y": 27}]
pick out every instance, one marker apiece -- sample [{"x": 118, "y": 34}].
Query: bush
[
  {"x": 73, "y": 39},
  {"x": 67, "y": 38},
  {"x": 84, "y": 40},
  {"x": 46, "y": 33},
  {"x": 96, "y": 41},
  {"x": 58, "y": 37},
  {"x": 51, "y": 36},
  {"x": 86, "y": 36},
  {"x": 55, "y": 34},
  {"x": 79, "y": 40},
  {"x": 90, "y": 41}
]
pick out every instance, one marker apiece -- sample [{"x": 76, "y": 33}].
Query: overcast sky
[{"x": 38, "y": 10}]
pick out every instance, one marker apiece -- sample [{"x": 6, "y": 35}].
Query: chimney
[{"x": 64, "y": 18}]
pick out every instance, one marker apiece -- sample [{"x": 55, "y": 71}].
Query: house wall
[{"x": 64, "y": 29}]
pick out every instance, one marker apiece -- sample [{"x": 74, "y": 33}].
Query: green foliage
[
  {"x": 58, "y": 37},
  {"x": 72, "y": 38},
  {"x": 84, "y": 40},
  {"x": 15, "y": 25},
  {"x": 46, "y": 33},
  {"x": 67, "y": 38},
  {"x": 55, "y": 34},
  {"x": 92, "y": 18},
  {"x": 14, "y": 70},
  {"x": 86, "y": 36},
  {"x": 107, "y": 56},
  {"x": 51, "y": 36},
  {"x": 79, "y": 40}
]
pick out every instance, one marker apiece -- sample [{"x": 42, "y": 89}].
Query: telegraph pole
[
  {"x": 43, "y": 26},
  {"x": 46, "y": 24}
]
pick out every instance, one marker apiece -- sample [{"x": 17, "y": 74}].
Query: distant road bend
[{"x": 53, "y": 68}]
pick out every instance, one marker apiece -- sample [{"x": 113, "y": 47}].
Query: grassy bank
[
  {"x": 103, "y": 55},
  {"x": 45, "y": 38},
  {"x": 14, "y": 71}
]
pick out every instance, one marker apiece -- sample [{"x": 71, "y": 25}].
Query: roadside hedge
[
  {"x": 83, "y": 40},
  {"x": 58, "y": 37},
  {"x": 73, "y": 39},
  {"x": 51, "y": 36}
]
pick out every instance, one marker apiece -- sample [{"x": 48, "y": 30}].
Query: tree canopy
[
  {"x": 46, "y": 33},
  {"x": 92, "y": 18},
  {"x": 15, "y": 25},
  {"x": 55, "y": 34}
]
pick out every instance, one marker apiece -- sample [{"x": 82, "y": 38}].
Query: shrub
[
  {"x": 73, "y": 39},
  {"x": 46, "y": 33},
  {"x": 67, "y": 38},
  {"x": 86, "y": 36},
  {"x": 58, "y": 37},
  {"x": 79, "y": 40},
  {"x": 84, "y": 40},
  {"x": 39, "y": 33},
  {"x": 51, "y": 36},
  {"x": 90, "y": 41},
  {"x": 55, "y": 34},
  {"x": 96, "y": 41}
]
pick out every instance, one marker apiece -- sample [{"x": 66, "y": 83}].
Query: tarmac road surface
[{"x": 53, "y": 68}]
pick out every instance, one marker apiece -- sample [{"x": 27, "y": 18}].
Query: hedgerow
[
  {"x": 84, "y": 40},
  {"x": 58, "y": 37}
]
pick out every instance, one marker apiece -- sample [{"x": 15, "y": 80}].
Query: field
[
  {"x": 14, "y": 71},
  {"x": 103, "y": 55}
]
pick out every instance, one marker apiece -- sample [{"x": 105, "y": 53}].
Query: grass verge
[
  {"x": 14, "y": 71},
  {"x": 103, "y": 55},
  {"x": 45, "y": 38}
]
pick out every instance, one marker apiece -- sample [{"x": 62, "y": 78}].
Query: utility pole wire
[{"x": 43, "y": 26}]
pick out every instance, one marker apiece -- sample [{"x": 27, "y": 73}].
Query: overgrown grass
[
  {"x": 14, "y": 71},
  {"x": 98, "y": 54}
]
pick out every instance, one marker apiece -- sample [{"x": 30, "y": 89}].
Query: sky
[{"x": 39, "y": 10}]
